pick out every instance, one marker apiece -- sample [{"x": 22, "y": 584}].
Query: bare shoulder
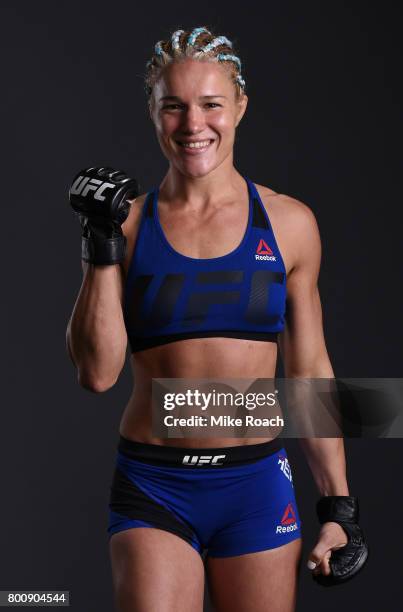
[
  {"x": 288, "y": 208},
  {"x": 294, "y": 225},
  {"x": 131, "y": 226}
]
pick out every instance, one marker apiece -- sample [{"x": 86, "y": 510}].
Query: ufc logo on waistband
[
  {"x": 82, "y": 185},
  {"x": 203, "y": 459}
]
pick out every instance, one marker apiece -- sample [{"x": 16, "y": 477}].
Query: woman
[{"x": 206, "y": 219}]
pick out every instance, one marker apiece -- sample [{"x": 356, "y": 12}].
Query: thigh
[
  {"x": 154, "y": 570},
  {"x": 265, "y": 581}
]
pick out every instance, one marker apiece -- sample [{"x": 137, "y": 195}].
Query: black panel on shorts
[{"x": 127, "y": 499}]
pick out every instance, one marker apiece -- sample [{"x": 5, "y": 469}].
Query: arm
[
  {"x": 340, "y": 551},
  {"x": 96, "y": 333},
  {"x": 303, "y": 348},
  {"x": 96, "y": 336}
]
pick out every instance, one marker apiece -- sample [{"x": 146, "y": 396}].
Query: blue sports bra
[{"x": 170, "y": 297}]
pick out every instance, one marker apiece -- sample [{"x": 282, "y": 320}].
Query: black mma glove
[
  {"x": 100, "y": 197},
  {"x": 347, "y": 561}
]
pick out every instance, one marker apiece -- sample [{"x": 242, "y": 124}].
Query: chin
[{"x": 195, "y": 171}]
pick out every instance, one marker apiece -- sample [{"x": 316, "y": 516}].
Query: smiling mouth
[{"x": 195, "y": 146}]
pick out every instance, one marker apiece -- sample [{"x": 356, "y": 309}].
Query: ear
[
  {"x": 150, "y": 109},
  {"x": 241, "y": 108}
]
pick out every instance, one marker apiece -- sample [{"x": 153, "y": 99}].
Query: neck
[{"x": 219, "y": 185}]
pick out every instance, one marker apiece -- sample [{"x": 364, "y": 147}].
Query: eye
[
  {"x": 170, "y": 106},
  {"x": 212, "y": 104}
]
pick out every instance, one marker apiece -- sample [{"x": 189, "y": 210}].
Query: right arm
[{"x": 96, "y": 335}]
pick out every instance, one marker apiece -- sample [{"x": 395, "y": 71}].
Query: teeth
[{"x": 196, "y": 145}]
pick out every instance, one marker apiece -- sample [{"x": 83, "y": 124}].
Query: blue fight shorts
[{"x": 231, "y": 501}]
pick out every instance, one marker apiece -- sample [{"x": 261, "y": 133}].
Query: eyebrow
[{"x": 200, "y": 98}]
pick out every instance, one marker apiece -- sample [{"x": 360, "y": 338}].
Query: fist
[
  {"x": 103, "y": 192},
  {"x": 101, "y": 197},
  {"x": 331, "y": 537}
]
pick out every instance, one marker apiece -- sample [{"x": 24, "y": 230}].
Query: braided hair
[{"x": 199, "y": 44}]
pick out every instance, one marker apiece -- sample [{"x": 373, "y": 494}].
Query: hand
[
  {"x": 101, "y": 199},
  {"x": 341, "y": 551},
  {"x": 331, "y": 537}
]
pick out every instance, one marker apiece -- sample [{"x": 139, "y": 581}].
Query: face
[{"x": 195, "y": 101}]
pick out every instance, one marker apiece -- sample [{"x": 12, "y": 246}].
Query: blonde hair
[{"x": 199, "y": 44}]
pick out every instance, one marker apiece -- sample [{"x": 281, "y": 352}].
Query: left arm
[
  {"x": 303, "y": 349},
  {"x": 305, "y": 356}
]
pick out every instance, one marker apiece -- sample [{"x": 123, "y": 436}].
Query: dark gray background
[{"x": 323, "y": 125}]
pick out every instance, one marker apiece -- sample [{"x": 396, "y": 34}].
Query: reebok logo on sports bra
[
  {"x": 264, "y": 252},
  {"x": 169, "y": 296}
]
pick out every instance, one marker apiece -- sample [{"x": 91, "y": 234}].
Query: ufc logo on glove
[{"x": 83, "y": 184}]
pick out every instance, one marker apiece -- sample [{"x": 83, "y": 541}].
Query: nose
[{"x": 193, "y": 120}]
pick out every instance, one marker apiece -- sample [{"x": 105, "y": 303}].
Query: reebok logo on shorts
[
  {"x": 288, "y": 521},
  {"x": 285, "y": 467},
  {"x": 263, "y": 251}
]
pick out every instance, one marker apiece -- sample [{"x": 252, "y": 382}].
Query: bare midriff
[{"x": 193, "y": 358}]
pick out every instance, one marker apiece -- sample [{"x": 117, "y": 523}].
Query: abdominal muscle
[{"x": 193, "y": 358}]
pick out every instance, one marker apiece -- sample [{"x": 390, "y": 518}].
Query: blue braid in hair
[
  {"x": 194, "y": 34},
  {"x": 175, "y": 39},
  {"x": 222, "y": 57}
]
